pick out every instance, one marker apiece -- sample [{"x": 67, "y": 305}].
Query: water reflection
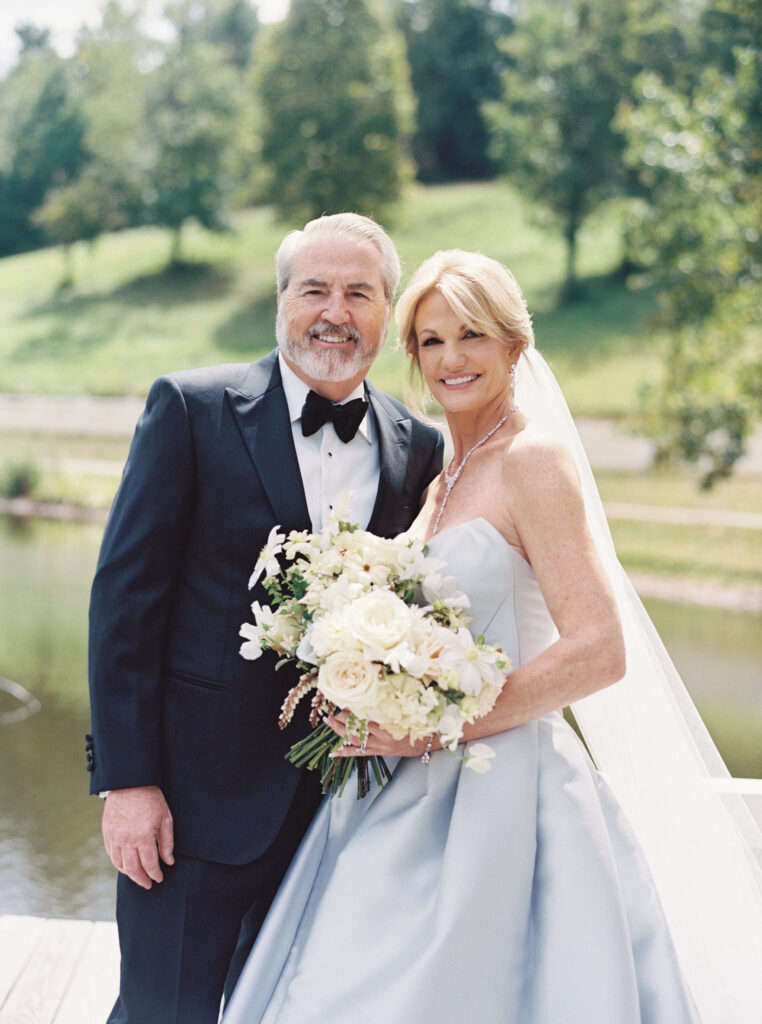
[{"x": 51, "y": 858}]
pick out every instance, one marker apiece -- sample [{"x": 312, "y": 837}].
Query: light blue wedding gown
[{"x": 514, "y": 897}]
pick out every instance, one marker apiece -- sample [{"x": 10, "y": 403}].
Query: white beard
[{"x": 323, "y": 364}]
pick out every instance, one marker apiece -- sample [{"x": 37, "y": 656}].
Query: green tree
[
  {"x": 230, "y": 28},
  {"x": 112, "y": 62},
  {"x": 699, "y": 236},
  {"x": 42, "y": 130},
  {"x": 72, "y": 213},
  {"x": 336, "y": 109},
  {"x": 192, "y": 103},
  {"x": 553, "y": 130},
  {"x": 456, "y": 62},
  {"x": 230, "y": 25}
]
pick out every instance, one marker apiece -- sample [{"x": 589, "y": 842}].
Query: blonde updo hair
[{"x": 482, "y": 293}]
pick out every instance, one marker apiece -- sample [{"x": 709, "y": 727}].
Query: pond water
[{"x": 51, "y": 859}]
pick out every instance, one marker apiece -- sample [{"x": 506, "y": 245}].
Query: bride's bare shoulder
[{"x": 535, "y": 459}]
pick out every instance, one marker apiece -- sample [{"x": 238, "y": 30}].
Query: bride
[{"x": 551, "y": 890}]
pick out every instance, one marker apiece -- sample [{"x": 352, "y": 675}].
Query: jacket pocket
[{"x": 202, "y": 684}]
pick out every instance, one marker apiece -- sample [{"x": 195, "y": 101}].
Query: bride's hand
[{"x": 379, "y": 742}]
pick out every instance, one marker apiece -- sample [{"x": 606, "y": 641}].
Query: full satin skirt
[{"x": 514, "y": 897}]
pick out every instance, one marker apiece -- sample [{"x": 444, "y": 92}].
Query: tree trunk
[
  {"x": 68, "y": 261},
  {"x": 570, "y": 290},
  {"x": 174, "y": 253}
]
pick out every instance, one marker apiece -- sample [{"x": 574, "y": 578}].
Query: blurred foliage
[
  {"x": 19, "y": 478},
  {"x": 577, "y": 101},
  {"x": 77, "y": 160},
  {"x": 191, "y": 114},
  {"x": 698, "y": 236},
  {"x": 42, "y": 131},
  {"x": 456, "y": 59},
  {"x": 230, "y": 26},
  {"x": 554, "y": 130},
  {"x": 336, "y": 109}
]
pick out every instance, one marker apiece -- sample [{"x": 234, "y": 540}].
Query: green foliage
[
  {"x": 77, "y": 211},
  {"x": 336, "y": 109},
  {"x": 19, "y": 478},
  {"x": 553, "y": 129},
  {"x": 111, "y": 63},
  {"x": 229, "y": 25},
  {"x": 42, "y": 130},
  {"x": 191, "y": 109},
  {"x": 130, "y": 318},
  {"x": 455, "y": 64},
  {"x": 699, "y": 155},
  {"x": 695, "y": 411}
]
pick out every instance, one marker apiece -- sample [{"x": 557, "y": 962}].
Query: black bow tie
[{"x": 346, "y": 418}]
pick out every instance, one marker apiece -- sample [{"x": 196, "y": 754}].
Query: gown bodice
[{"x": 507, "y": 606}]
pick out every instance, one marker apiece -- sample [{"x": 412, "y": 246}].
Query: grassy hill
[{"x": 128, "y": 318}]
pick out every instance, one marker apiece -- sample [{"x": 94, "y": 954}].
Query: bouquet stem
[{"x": 313, "y": 753}]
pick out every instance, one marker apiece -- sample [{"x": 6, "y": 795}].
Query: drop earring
[{"x": 513, "y": 377}]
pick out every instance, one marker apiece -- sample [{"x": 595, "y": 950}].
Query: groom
[{"x": 203, "y": 813}]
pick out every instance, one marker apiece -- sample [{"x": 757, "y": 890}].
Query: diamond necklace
[{"x": 451, "y": 479}]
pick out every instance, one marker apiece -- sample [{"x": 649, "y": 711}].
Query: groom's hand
[{"x": 137, "y": 831}]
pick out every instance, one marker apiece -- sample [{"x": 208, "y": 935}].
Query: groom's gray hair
[{"x": 346, "y": 225}]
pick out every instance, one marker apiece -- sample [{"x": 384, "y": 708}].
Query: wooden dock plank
[
  {"x": 51, "y": 960},
  {"x": 18, "y": 936},
  {"x": 95, "y": 982}
]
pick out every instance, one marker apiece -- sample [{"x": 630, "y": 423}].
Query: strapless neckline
[{"x": 476, "y": 521}]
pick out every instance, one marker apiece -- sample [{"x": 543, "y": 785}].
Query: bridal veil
[{"x": 648, "y": 739}]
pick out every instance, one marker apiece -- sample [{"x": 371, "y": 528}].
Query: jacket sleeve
[{"x": 139, "y": 562}]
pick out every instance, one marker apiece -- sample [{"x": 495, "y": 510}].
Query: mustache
[{"x": 339, "y": 331}]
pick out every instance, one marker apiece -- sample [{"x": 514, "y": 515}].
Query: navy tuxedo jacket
[{"x": 212, "y": 468}]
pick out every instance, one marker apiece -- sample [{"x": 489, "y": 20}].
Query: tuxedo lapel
[
  {"x": 390, "y": 515},
  {"x": 261, "y": 413}
]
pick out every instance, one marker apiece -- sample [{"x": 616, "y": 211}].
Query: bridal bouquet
[{"x": 376, "y": 630}]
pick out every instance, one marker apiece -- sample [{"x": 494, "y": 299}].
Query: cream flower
[
  {"x": 255, "y": 632},
  {"x": 300, "y": 542},
  {"x": 285, "y": 631},
  {"x": 268, "y": 557},
  {"x": 349, "y": 681},
  {"x": 450, "y": 727},
  {"x": 436, "y": 587},
  {"x": 478, "y": 757},
  {"x": 476, "y": 664},
  {"x": 379, "y": 621},
  {"x": 329, "y": 633},
  {"x": 407, "y": 709},
  {"x": 252, "y": 649},
  {"x": 341, "y": 592}
]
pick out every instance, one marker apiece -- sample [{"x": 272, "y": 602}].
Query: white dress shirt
[{"x": 330, "y": 468}]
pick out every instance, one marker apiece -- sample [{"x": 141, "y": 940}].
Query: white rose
[
  {"x": 330, "y": 633},
  {"x": 349, "y": 681},
  {"x": 340, "y": 593},
  {"x": 478, "y": 757},
  {"x": 379, "y": 621},
  {"x": 284, "y": 631}
]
